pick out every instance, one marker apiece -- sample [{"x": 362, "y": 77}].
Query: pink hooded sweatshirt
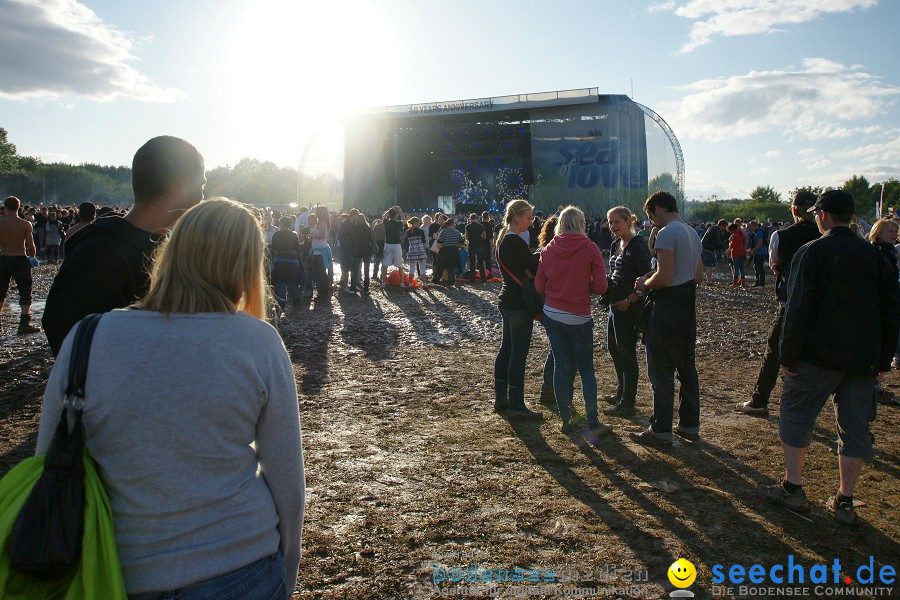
[{"x": 571, "y": 269}]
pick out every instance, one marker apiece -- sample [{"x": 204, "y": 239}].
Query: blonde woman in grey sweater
[{"x": 191, "y": 416}]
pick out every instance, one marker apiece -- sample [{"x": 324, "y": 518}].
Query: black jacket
[
  {"x": 790, "y": 240},
  {"x": 106, "y": 267},
  {"x": 514, "y": 256},
  {"x": 635, "y": 263},
  {"x": 843, "y": 306}
]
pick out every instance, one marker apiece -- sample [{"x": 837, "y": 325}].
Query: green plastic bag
[{"x": 97, "y": 576}]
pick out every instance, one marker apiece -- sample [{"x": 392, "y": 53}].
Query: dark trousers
[
  {"x": 509, "y": 367},
  {"x": 622, "y": 340},
  {"x": 770, "y": 369},
  {"x": 355, "y": 263},
  {"x": 759, "y": 267},
  {"x": 671, "y": 344},
  {"x": 476, "y": 260}
]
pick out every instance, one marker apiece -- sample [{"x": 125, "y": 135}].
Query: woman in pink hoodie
[{"x": 571, "y": 269}]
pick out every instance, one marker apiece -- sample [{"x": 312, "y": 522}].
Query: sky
[{"x": 780, "y": 93}]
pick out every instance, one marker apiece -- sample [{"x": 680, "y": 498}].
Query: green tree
[
  {"x": 664, "y": 182},
  {"x": 765, "y": 194},
  {"x": 9, "y": 159},
  {"x": 864, "y": 195}
]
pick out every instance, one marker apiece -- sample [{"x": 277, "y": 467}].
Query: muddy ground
[{"x": 411, "y": 477}]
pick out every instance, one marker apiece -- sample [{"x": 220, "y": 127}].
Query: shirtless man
[{"x": 16, "y": 245}]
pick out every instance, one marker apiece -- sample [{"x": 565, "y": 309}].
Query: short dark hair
[
  {"x": 285, "y": 222},
  {"x": 159, "y": 163},
  {"x": 11, "y": 203},
  {"x": 663, "y": 199},
  {"x": 87, "y": 211}
]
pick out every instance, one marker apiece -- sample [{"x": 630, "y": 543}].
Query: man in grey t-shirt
[{"x": 672, "y": 334}]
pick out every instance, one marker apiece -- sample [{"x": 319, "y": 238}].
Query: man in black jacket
[
  {"x": 838, "y": 337},
  {"x": 107, "y": 264},
  {"x": 783, "y": 245}
]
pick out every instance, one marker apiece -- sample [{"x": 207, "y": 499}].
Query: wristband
[{"x": 639, "y": 293}]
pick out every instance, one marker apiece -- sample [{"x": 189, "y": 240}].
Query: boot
[
  {"x": 501, "y": 398},
  {"x": 517, "y": 408},
  {"x": 548, "y": 397},
  {"x": 25, "y": 326},
  {"x": 742, "y": 283},
  {"x": 734, "y": 282}
]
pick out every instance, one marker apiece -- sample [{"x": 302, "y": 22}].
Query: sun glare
[{"x": 296, "y": 67}]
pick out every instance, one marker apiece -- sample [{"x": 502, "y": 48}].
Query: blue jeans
[
  {"x": 261, "y": 580},
  {"x": 739, "y": 264},
  {"x": 671, "y": 343},
  {"x": 355, "y": 262},
  {"x": 287, "y": 274},
  {"x": 621, "y": 341},
  {"x": 509, "y": 368},
  {"x": 573, "y": 347},
  {"x": 760, "y": 269}
]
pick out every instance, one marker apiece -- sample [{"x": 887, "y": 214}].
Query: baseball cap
[
  {"x": 838, "y": 202},
  {"x": 647, "y": 224},
  {"x": 803, "y": 199}
]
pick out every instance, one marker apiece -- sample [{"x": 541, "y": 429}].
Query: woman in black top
[
  {"x": 629, "y": 259},
  {"x": 516, "y": 263},
  {"x": 286, "y": 270},
  {"x": 884, "y": 236}
]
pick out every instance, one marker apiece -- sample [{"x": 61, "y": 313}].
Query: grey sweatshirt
[{"x": 193, "y": 422}]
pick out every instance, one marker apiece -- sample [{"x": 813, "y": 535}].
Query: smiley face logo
[{"x": 682, "y": 573}]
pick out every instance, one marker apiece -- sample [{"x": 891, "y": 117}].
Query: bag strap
[
  {"x": 78, "y": 361},
  {"x": 508, "y": 272}
]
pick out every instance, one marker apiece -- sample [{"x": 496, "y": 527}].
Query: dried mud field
[{"x": 412, "y": 479}]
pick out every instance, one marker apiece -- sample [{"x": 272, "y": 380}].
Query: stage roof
[{"x": 500, "y": 103}]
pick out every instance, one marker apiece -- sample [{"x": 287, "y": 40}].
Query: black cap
[
  {"x": 804, "y": 199},
  {"x": 838, "y": 202}
]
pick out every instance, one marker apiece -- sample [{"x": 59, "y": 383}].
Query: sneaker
[
  {"x": 596, "y": 428},
  {"x": 648, "y": 437},
  {"x": 843, "y": 512},
  {"x": 688, "y": 435},
  {"x": 754, "y": 411},
  {"x": 612, "y": 398},
  {"x": 777, "y": 494},
  {"x": 523, "y": 413},
  {"x": 570, "y": 426},
  {"x": 620, "y": 410},
  {"x": 349, "y": 291},
  {"x": 26, "y": 328},
  {"x": 365, "y": 292}
]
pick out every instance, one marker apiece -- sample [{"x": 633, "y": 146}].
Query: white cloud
[
  {"x": 760, "y": 171},
  {"x": 773, "y": 154},
  {"x": 748, "y": 17},
  {"x": 819, "y": 164},
  {"x": 813, "y": 102},
  {"x": 806, "y": 151},
  {"x": 59, "y": 48}
]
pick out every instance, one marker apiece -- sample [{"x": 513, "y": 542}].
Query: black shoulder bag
[{"x": 45, "y": 541}]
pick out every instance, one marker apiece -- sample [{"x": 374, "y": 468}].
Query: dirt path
[{"x": 407, "y": 465}]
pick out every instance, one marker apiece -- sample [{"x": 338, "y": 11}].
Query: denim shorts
[
  {"x": 709, "y": 258},
  {"x": 806, "y": 393},
  {"x": 261, "y": 580}
]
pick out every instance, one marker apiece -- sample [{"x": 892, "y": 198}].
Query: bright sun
[{"x": 295, "y": 67}]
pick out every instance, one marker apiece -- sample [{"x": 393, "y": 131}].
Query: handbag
[
  {"x": 45, "y": 540},
  {"x": 642, "y": 311},
  {"x": 436, "y": 246},
  {"x": 534, "y": 300}
]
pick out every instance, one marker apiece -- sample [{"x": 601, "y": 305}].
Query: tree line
[{"x": 263, "y": 183}]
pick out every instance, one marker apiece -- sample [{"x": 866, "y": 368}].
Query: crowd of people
[{"x": 176, "y": 277}]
